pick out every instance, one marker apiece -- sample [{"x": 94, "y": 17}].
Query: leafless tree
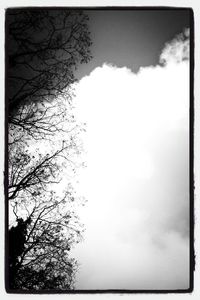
[
  {"x": 41, "y": 120},
  {"x": 44, "y": 47},
  {"x": 40, "y": 245}
]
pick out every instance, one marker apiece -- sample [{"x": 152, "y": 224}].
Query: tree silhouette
[
  {"x": 39, "y": 120},
  {"x": 29, "y": 175},
  {"x": 17, "y": 239},
  {"x": 39, "y": 247},
  {"x": 46, "y": 230},
  {"x": 44, "y": 47}
]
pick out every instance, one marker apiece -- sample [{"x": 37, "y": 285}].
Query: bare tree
[
  {"x": 40, "y": 245},
  {"x": 46, "y": 230},
  {"x": 44, "y": 47},
  {"x": 33, "y": 169},
  {"x": 40, "y": 120}
]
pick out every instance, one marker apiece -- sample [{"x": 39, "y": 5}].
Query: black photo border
[{"x": 191, "y": 156}]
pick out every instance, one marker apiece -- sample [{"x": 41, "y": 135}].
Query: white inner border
[{"x": 195, "y": 5}]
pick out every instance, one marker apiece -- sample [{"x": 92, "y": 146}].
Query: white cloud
[
  {"x": 136, "y": 180},
  {"x": 176, "y": 50}
]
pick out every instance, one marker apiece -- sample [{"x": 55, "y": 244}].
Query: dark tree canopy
[
  {"x": 44, "y": 47},
  {"x": 39, "y": 247},
  {"x": 46, "y": 228}
]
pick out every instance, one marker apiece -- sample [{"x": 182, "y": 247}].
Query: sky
[
  {"x": 134, "y": 99},
  {"x": 131, "y": 38}
]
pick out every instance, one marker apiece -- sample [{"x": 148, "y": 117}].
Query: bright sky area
[{"x": 136, "y": 144}]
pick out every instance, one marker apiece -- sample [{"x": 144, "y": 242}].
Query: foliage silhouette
[
  {"x": 38, "y": 250},
  {"x": 44, "y": 47}
]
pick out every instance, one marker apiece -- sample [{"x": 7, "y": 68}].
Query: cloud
[
  {"x": 176, "y": 50},
  {"x": 136, "y": 180}
]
